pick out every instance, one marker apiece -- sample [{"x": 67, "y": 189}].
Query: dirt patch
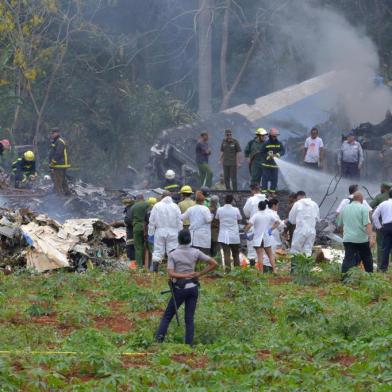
[
  {"x": 116, "y": 323},
  {"x": 277, "y": 280},
  {"x": 143, "y": 281},
  {"x": 194, "y": 362},
  {"x": 116, "y": 306},
  {"x": 94, "y": 294},
  {"x": 344, "y": 360},
  {"x": 322, "y": 293},
  {"x": 50, "y": 319},
  {"x": 264, "y": 354},
  {"x": 150, "y": 313},
  {"x": 134, "y": 361}
]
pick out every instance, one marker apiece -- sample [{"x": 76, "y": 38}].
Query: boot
[{"x": 155, "y": 266}]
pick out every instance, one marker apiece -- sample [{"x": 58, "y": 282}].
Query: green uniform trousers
[
  {"x": 256, "y": 171},
  {"x": 205, "y": 175},
  {"x": 138, "y": 239}
]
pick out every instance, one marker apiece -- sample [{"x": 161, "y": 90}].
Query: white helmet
[{"x": 169, "y": 175}]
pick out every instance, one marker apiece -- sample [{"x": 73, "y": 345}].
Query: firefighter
[
  {"x": 58, "y": 162},
  {"x": 24, "y": 171},
  {"x": 171, "y": 185},
  {"x": 187, "y": 202},
  {"x": 271, "y": 149},
  {"x": 253, "y": 153},
  {"x": 6, "y": 157}
]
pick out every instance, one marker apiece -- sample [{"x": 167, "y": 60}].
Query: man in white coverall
[
  {"x": 250, "y": 208},
  {"x": 304, "y": 215},
  {"x": 165, "y": 223}
]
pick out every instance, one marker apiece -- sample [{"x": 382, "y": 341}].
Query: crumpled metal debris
[{"x": 42, "y": 243}]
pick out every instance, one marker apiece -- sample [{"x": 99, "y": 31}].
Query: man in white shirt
[
  {"x": 346, "y": 201},
  {"x": 304, "y": 215},
  {"x": 250, "y": 208},
  {"x": 314, "y": 150},
  {"x": 384, "y": 211},
  {"x": 164, "y": 224}
]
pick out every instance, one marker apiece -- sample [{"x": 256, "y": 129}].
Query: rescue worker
[
  {"x": 230, "y": 159},
  {"x": 171, "y": 185},
  {"x": 304, "y": 215},
  {"x": 200, "y": 218},
  {"x": 138, "y": 213},
  {"x": 165, "y": 223},
  {"x": 347, "y": 200},
  {"x": 5, "y": 154},
  {"x": 382, "y": 220},
  {"x": 185, "y": 284},
  {"x": 214, "y": 205},
  {"x": 203, "y": 152},
  {"x": 186, "y": 202},
  {"x": 313, "y": 150},
  {"x": 24, "y": 171},
  {"x": 253, "y": 153},
  {"x": 250, "y": 208},
  {"x": 128, "y": 203},
  {"x": 350, "y": 157},
  {"x": 58, "y": 162},
  {"x": 149, "y": 240},
  {"x": 271, "y": 149},
  {"x": 386, "y": 156},
  {"x": 382, "y": 196}
]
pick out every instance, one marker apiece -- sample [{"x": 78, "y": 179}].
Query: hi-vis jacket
[
  {"x": 274, "y": 146},
  {"x": 58, "y": 157}
]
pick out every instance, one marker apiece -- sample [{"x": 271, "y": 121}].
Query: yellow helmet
[
  {"x": 261, "y": 131},
  {"x": 152, "y": 200},
  {"x": 29, "y": 156},
  {"x": 186, "y": 189}
]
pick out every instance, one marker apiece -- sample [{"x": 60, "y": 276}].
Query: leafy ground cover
[{"x": 253, "y": 332}]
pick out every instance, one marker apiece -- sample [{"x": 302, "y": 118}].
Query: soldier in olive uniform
[
  {"x": 382, "y": 196},
  {"x": 230, "y": 159}
]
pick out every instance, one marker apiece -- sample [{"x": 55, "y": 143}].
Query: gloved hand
[
  {"x": 270, "y": 231},
  {"x": 277, "y": 155},
  {"x": 270, "y": 155}
]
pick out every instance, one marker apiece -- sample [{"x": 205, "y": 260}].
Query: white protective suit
[
  {"x": 165, "y": 223},
  {"x": 200, "y": 219},
  {"x": 304, "y": 214},
  {"x": 250, "y": 208}
]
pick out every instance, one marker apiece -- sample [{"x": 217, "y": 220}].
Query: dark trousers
[
  {"x": 60, "y": 181},
  {"x": 230, "y": 175},
  {"x": 214, "y": 248},
  {"x": 206, "y": 251},
  {"x": 350, "y": 170},
  {"x": 235, "y": 251},
  {"x": 189, "y": 296},
  {"x": 386, "y": 246},
  {"x": 139, "y": 243},
  {"x": 354, "y": 253},
  {"x": 270, "y": 176},
  {"x": 256, "y": 171}
]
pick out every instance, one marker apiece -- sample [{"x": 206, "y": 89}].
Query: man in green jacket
[
  {"x": 253, "y": 153},
  {"x": 382, "y": 196},
  {"x": 138, "y": 213}
]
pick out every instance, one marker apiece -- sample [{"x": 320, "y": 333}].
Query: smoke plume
[{"x": 327, "y": 41}]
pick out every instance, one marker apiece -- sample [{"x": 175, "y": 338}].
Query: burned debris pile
[{"x": 40, "y": 243}]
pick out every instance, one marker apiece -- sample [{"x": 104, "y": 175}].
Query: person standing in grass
[
  {"x": 229, "y": 232},
  {"x": 358, "y": 236},
  {"x": 263, "y": 223},
  {"x": 185, "y": 283}
]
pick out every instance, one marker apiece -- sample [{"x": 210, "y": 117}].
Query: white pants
[
  {"x": 303, "y": 242},
  {"x": 164, "y": 241}
]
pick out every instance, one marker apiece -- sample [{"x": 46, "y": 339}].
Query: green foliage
[
  {"x": 267, "y": 334},
  {"x": 303, "y": 269}
]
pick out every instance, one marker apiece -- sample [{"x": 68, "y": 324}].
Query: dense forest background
[{"x": 113, "y": 73}]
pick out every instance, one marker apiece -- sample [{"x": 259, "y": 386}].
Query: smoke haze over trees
[{"x": 113, "y": 73}]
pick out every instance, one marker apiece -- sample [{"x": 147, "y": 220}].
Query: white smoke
[{"x": 327, "y": 41}]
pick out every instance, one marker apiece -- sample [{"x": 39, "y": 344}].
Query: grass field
[{"x": 253, "y": 332}]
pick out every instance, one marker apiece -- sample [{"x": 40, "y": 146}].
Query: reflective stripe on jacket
[{"x": 58, "y": 156}]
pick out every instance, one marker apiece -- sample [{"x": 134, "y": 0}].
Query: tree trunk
[{"x": 205, "y": 57}]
